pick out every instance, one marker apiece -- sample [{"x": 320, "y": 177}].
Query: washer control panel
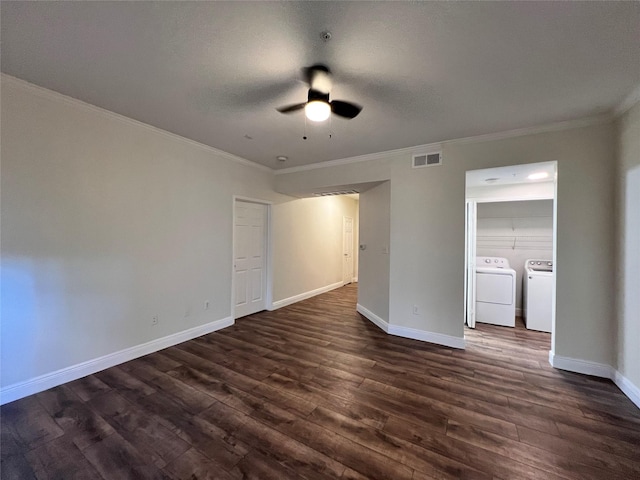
[{"x": 539, "y": 265}]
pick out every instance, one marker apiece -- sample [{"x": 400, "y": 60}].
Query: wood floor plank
[
  {"x": 88, "y": 387},
  {"x": 154, "y": 441},
  {"x": 462, "y": 451},
  {"x": 551, "y": 462},
  {"x": 410, "y": 454},
  {"x": 29, "y": 423},
  {"x": 283, "y": 448},
  {"x": 193, "y": 465},
  {"x": 126, "y": 385},
  {"x": 191, "y": 399},
  {"x": 77, "y": 419},
  {"x": 114, "y": 457},
  {"x": 589, "y": 456},
  {"x": 16, "y": 467},
  {"x": 316, "y": 391},
  {"x": 60, "y": 458}
]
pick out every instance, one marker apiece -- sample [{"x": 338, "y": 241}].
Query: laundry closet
[
  {"x": 509, "y": 246},
  {"x": 518, "y": 231}
]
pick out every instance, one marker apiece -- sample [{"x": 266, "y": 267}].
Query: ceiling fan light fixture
[{"x": 317, "y": 110}]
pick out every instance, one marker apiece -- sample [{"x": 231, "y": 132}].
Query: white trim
[
  {"x": 597, "y": 370},
  {"x": 373, "y": 318},
  {"x": 303, "y": 296},
  {"x": 514, "y": 198},
  {"x": 74, "y": 372},
  {"x": 580, "y": 366},
  {"x": 629, "y": 101},
  {"x": 51, "y": 94},
  {"x": 627, "y": 387},
  {"x": 413, "y": 333},
  {"x": 551, "y": 127},
  {"x": 431, "y": 337}
]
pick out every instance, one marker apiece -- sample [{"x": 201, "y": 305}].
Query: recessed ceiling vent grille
[
  {"x": 339, "y": 192},
  {"x": 427, "y": 159}
]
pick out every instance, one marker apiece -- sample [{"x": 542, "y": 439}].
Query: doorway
[
  {"x": 348, "y": 273},
  {"x": 511, "y": 220},
  {"x": 250, "y": 259}
]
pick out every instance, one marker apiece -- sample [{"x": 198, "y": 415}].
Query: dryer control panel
[
  {"x": 535, "y": 265},
  {"x": 495, "y": 262}
]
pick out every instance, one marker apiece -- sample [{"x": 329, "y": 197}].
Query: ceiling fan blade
[
  {"x": 345, "y": 109},
  {"x": 292, "y": 108}
]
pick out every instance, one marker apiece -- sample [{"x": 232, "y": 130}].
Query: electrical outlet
[
  {"x": 415, "y": 310},
  {"x": 206, "y": 304},
  {"x": 154, "y": 320}
]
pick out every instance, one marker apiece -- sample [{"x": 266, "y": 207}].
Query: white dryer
[
  {"x": 538, "y": 294},
  {"x": 495, "y": 291}
]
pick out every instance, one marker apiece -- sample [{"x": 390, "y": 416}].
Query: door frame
[
  {"x": 554, "y": 255},
  {"x": 471, "y": 216},
  {"x": 269, "y": 252}
]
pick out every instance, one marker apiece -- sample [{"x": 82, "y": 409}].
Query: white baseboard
[
  {"x": 597, "y": 370},
  {"x": 304, "y": 296},
  {"x": 373, "y": 318},
  {"x": 519, "y": 312},
  {"x": 74, "y": 372},
  {"x": 628, "y": 388},
  {"x": 580, "y": 366},
  {"x": 431, "y": 337},
  {"x": 413, "y": 333}
]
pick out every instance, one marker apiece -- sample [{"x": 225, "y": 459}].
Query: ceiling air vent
[
  {"x": 427, "y": 159},
  {"x": 338, "y": 192}
]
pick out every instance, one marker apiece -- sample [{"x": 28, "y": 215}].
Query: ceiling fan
[{"x": 317, "y": 108}]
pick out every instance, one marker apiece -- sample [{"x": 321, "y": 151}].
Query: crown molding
[
  {"x": 629, "y": 101},
  {"x": 53, "y": 95},
  {"x": 437, "y": 146}
]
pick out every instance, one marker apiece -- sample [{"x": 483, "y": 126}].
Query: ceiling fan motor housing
[{"x": 316, "y": 95}]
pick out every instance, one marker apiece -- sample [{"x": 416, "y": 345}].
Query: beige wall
[
  {"x": 628, "y": 245},
  {"x": 373, "y": 280},
  {"x": 307, "y": 243},
  {"x": 427, "y": 231},
  {"x": 105, "y": 223}
]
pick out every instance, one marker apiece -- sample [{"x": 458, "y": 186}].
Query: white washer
[
  {"x": 495, "y": 291},
  {"x": 538, "y": 293}
]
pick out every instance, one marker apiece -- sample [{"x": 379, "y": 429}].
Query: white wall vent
[{"x": 427, "y": 159}]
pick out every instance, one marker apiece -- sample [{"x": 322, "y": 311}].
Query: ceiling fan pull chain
[{"x": 304, "y": 136}]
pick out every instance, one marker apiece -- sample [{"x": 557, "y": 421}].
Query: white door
[
  {"x": 347, "y": 250},
  {"x": 470, "y": 263},
  {"x": 250, "y": 259}
]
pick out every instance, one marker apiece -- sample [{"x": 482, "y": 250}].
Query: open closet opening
[{"x": 510, "y": 250}]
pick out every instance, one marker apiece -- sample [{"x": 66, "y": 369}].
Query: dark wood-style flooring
[{"x": 316, "y": 391}]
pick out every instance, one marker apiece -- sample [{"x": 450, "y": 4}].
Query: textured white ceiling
[{"x": 425, "y": 72}]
